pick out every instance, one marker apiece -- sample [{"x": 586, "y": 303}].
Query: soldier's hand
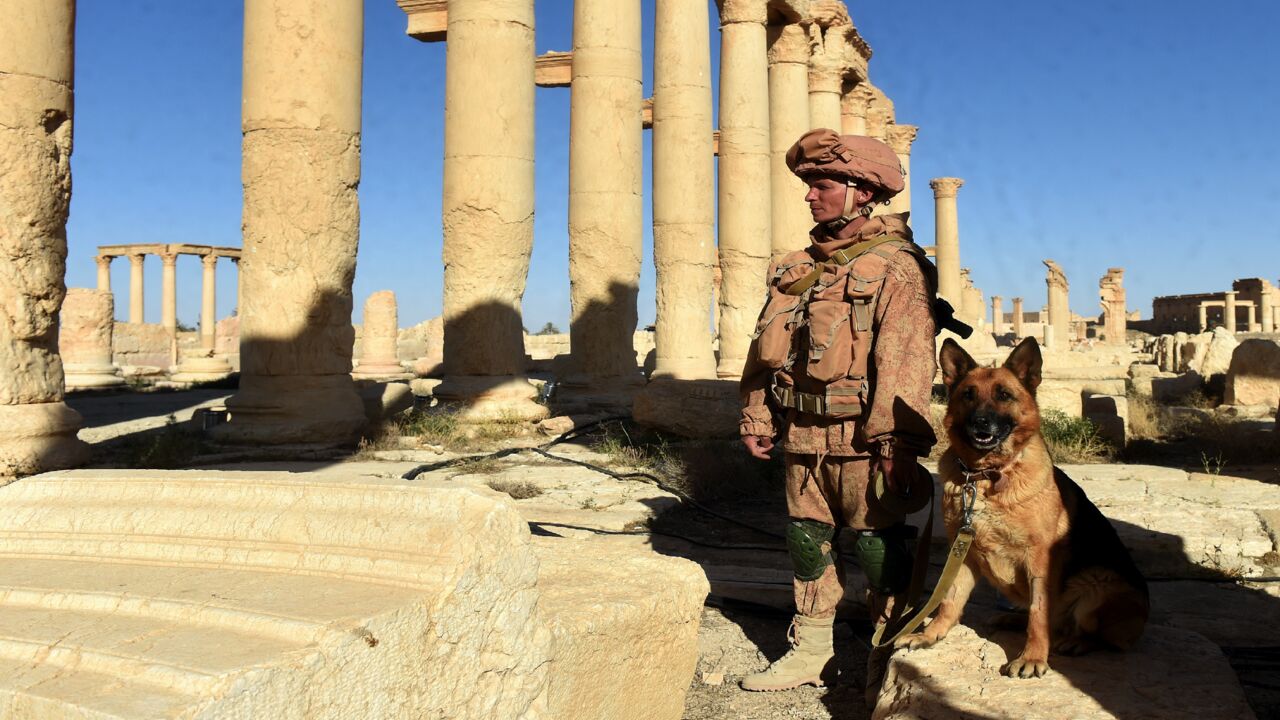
[
  {"x": 758, "y": 445},
  {"x": 899, "y": 468}
]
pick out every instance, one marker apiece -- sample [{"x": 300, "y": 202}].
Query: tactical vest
[{"x": 818, "y": 322}]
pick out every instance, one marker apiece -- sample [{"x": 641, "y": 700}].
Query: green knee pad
[
  {"x": 884, "y": 558},
  {"x": 805, "y": 540}
]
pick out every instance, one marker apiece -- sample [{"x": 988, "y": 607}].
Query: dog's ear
[
  {"x": 1025, "y": 362},
  {"x": 955, "y": 362}
]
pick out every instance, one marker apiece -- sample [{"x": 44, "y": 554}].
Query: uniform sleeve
[
  {"x": 903, "y": 364},
  {"x": 753, "y": 389}
]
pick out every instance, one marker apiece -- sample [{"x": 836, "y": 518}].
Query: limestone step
[{"x": 128, "y": 594}]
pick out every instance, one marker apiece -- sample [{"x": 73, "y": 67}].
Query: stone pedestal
[
  {"x": 947, "y": 239},
  {"x": 84, "y": 340},
  {"x": 37, "y": 430},
  {"x": 788, "y": 120},
  {"x": 605, "y": 202},
  {"x": 488, "y": 205},
  {"x": 683, "y": 187},
  {"x": 1058, "y": 302},
  {"x": 137, "y": 313},
  {"x": 301, "y": 157},
  {"x": 378, "y": 360},
  {"x": 1017, "y": 319},
  {"x": 744, "y": 201}
]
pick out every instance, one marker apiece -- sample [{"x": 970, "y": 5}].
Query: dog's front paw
[
  {"x": 916, "y": 641},
  {"x": 1026, "y": 667}
]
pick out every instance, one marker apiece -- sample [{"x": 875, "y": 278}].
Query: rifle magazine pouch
[{"x": 830, "y": 340}]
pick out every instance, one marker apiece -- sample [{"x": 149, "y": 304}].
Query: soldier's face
[{"x": 825, "y": 198}]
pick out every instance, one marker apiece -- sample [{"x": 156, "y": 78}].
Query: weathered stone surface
[
  {"x": 624, "y": 625},
  {"x": 1253, "y": 377},
  {"x": 383, "y": 400},
  {"x": 1110, "y": 414},
  {"x": 693, "y": 408},
  {"x": 1217, "y": 353},
  {"x": 227, "y": 595},
  {"x": 84, "y": 339},
  {"x": 1170, "y": 673},
  {"x": 378, "y": 353},
  {"x": 1176, "y": 387}
]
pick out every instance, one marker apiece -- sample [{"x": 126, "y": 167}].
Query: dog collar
[{"x": 970, "y": 476}]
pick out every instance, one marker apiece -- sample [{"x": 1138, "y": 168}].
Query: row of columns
[
  {"x": 1265, "y": 321},
  {"x": 168, "y": 290}
]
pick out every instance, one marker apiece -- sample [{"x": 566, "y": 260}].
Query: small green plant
[
  {"x": 1072, "y": 439},
  {"x": 591, "y": 504},
  {"x": 517, "y": 489},
  {"x": 437, "y": 427},
  {"x": 1212, "y": 464}
]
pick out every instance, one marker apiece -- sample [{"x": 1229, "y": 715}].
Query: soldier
[{"x": 844, "y": 354}]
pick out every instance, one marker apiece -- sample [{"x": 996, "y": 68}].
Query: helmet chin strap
[{"x": 850, "y": 213}]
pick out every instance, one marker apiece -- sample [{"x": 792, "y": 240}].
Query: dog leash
[{"x": 955, "y": 559}]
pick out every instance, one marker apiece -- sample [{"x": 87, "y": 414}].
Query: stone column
[
  {"x": 605, "y": 209},
  {"x": 853, "y": 110},
  {"x": 825, "y": 83},
  {"x": 1229, "y": 311},
  {"x": 788, "y": 120},
  {"x": 488, "y": 206},
  {"x": 900, "y": 139},
  {"x": 208, "y": 302},
  {"x": 683, "y": 200},
  {"x": 378, "y": 357},
  {"x": 997, "y": 315},
  {"x": 1058, "y": 303},
  {"x": 1267, "y": 313},
  {"x": 136, "y": 285},
  {"x": 104, "y": 272},
  {"x": 1251, "y": 319},
  {"x": 84, "y": 339},
  {"x": 744, "y": 200},
  {"x": 169, "y": 293},
  {"x": 37, "y": 429},
  {"x": 947, "y": 238},
  {"x": 301, "y": 168},
  {"x": 1204, "y": 317},
  {"x": 1017, "y": 319}
]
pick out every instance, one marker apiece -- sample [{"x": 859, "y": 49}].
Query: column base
[
  {"x": 91, "y": 376},
  {"x": 483, "y": 398},
  {"x": 289, "y": 409},
  {"x": 381, "y": 370},
  {"x": 730, "y": 367},
  {"x": 202, "y": 369},
  {"x": 692, "y": 408},
  {"x": 39, "y": 436},
  {"x": 587, "y": 395}
]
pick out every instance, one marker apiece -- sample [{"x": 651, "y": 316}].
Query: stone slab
[{"x": 1170, "y": 674}]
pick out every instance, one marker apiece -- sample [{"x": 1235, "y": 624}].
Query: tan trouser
[{"x": 835, "y": 491}]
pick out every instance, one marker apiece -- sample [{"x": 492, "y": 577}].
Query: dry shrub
[
  {"x": 518, "y": 489},
  {"x": 1072, "y": 439}
]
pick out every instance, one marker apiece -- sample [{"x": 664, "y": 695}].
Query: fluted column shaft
[
  {"x": 208, "y": 301},
  {"x": 683, "y": 190},
  {"x": 104, "y": 273},
  {"x": 788, "y": 120},
  {"x": 744, "y": 201},
  {"x": 301, "y": 168},
  {"x": 37, "y": 429},
  {"x": 605, "y": 193},
  {"x": 137, "y": 313},
  {"x": 947, "y": 239}
]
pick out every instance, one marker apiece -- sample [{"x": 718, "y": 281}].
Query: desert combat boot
[{"x": 808, "y": 662}]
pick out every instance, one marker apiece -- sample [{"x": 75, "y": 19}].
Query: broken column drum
[
  {"x": 301, "y": 169},
  {"x": 378, "y": 339},
  {"x": 37, "y": 429},
  {"x": 84, "y": 339}
]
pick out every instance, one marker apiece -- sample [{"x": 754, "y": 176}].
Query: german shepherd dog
[{"x": 1037, "y": 538}]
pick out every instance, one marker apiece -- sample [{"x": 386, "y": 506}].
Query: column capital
[
  {"x": 996, "y": 299},
  {"x": 825, "y": 76},
  {"x": 209, "y": 260},
  {"x": 945, "y": 186},
  {"x": 901, "y": 137},
  {"x": 855, "y": 100},
  {"x": 1056, "y": 277},
  {"x": 104, "y": 261},
  {"x": 169, "y": 259},
  {"x": 1230, "y": 295},
  {"x": 137, "y": 258},
  {"x": 789, "y": 43},
  {"x": 744, "y": 11}
]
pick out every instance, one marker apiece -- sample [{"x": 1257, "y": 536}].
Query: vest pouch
[
  {"x": 845, "y": 398},
  {"x": 775, "y": 328},
  {"x": 830, "y": 340}
]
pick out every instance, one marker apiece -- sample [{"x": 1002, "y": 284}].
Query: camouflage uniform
[{"x": 828, "y": 461}]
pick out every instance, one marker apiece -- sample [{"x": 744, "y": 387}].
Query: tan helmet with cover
[{"x": 855, "y": 159}]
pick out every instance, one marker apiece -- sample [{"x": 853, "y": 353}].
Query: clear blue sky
[{"x": 1098, "y": 133}]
